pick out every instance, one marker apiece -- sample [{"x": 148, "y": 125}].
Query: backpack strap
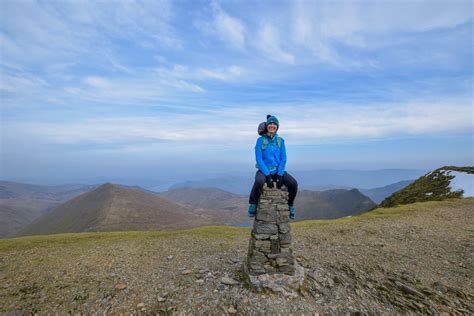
[{"x": 265, "y": 142}]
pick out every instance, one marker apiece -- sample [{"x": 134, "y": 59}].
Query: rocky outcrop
[{"x": 270, "y": 261}]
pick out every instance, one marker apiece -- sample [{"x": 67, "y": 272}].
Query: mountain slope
[
  {"x": 204, "y": 197},
  {"x": 231, "y": 207},
  {"x": 331, "y": 204},
  {"x": 114, "y": 208},
  {"x": 411, "y": 260},
  {"x": 379, "y": 194},
  {"x": 436, "y": 185},
  {"x": 22, "y": 203}
]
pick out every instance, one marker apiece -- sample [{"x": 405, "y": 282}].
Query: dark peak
[{"x": 108, "y": 186}]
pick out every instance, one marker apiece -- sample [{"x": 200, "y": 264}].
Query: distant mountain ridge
[
  {"x": 211, "y": 198},
  {"x": 114, "y": 208},
  {"x": 314, "y": 180}
]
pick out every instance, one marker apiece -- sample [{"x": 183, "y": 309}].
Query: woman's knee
[
  {"x": 293, "y": 184},
  {"x": 289, "y": 180},
  {"x": 259, "y": 179}
]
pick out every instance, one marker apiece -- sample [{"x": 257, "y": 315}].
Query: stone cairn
[{"x": 270, "y": 262}]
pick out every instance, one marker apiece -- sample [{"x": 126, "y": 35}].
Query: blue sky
[{"x": 160, "y": 88}]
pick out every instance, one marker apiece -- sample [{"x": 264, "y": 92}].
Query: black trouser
[{"x": 288, "y": 181}]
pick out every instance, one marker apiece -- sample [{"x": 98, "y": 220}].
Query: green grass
[
  {"x": 381, "y": 212},
  {"x": 93, "y": 237}
]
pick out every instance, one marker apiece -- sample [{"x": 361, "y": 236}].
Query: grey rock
[
  {"x": 265, "y": 228},
  {"x": 266, "y": 214},
  {"x": 285, "y": 239},
  {"x": 229, "y": 281},
  {"x": 261, "y": 236},
  {"x": 284, "y": 228}
]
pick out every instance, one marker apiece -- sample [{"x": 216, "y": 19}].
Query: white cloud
[
  {"x": 98, "y": 82},
  {"x": 268, "y": 41},
  {"x": 224, "y": 74},
  {"x": 228, "y": 73},
  {"x": 345, "y": 122},
  {"x": 236, "y": 70},
  {"x": 72, "y": 90},
  {"x": 129, "y": 90},
  {"x": 230, "y": 29},
  {"x": 23, "y": 82},
  {"x": 48, "y": 32},
  {"x": 358, "y": 24},
  {"x": 299, "y": 124}
]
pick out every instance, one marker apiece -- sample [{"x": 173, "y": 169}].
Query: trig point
[{"x": 270, "y": 263}]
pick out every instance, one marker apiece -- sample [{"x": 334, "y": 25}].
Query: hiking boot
[
  {"x": 292, "y": 212},
  {"x": 252, "y": 209}
]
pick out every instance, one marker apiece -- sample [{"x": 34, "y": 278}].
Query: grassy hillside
[
  {"x": 414, "y": 258},
  {"x": 433, "y": 186}
]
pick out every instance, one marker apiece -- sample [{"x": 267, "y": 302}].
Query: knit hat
[{"x": 273, "y": 119}]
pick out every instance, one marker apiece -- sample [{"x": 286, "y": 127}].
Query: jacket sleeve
[
  {"x": 282, "y": 165},
  {"x": 259, "y": 157}
]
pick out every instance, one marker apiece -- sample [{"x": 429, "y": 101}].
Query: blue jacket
[{"x": 273, "y": 159}]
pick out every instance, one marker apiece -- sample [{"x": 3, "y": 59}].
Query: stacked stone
[{"x": 270, "y": 243}]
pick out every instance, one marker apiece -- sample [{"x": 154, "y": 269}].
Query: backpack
[{"x": 262, "y": 127}]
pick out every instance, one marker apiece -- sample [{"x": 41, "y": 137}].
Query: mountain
[
  {"x": 116, "y": 208},
  {"x": 9, "y": 189},
  {"x": 331, "y": 204},
  {"x": 232, "y": 206},
  {"x": 313, "y": 180},
  {"x": 235, "y": 184},
  {"x": 204, "y": 197},
  {"x": 439, "y": 184},
  {"x": 379, "y": 194},
  {"x": 319, "y": 187},
  {"x": 22, "y": 203}
]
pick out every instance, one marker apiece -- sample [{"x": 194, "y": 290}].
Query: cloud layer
[{"x": 128, "y": 76}]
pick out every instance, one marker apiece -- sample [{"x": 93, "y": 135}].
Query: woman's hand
[{"x": 269, "y": 182}]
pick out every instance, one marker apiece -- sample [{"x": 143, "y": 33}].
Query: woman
[{"x": 270, "y": 154}]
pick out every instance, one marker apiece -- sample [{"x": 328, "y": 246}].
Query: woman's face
[{"x": 272, "y": 127}]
